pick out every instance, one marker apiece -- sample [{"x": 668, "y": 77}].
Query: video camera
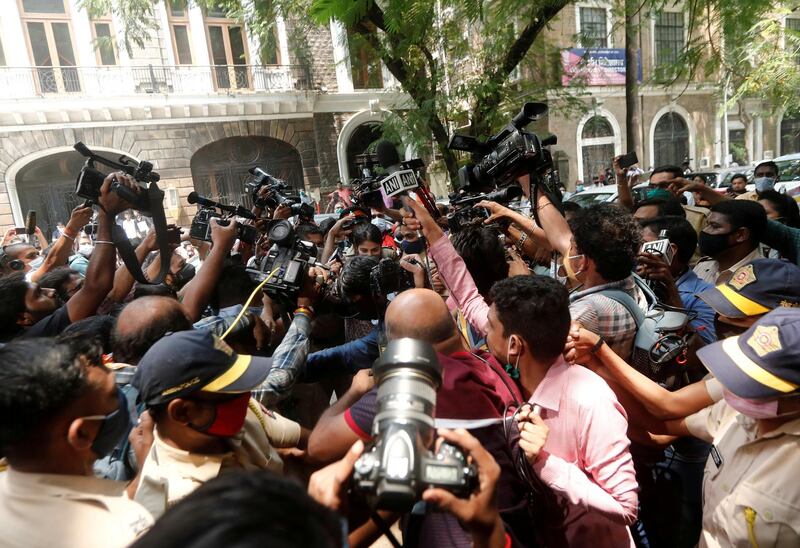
[
  {"x": 466, "y": 212},
  {"x": 398, "y": 466},
  {"x": 90, "y": 180},
  {"x": 279, "y": 191},
  {"x": 201, "y": 226},
  {"x": 289, "y": 258},
  {"x": 367, "y": 187}
]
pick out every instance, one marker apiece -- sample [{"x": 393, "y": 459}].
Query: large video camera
[
  {"x": 90, "y": 180},
  {"x": 201, "y": 226},
  {"x": 467, "y": 214},
  {"x": 367, "y": 187},
  {"x": 509, "y": 154},
  {"x": 286, "y": 263},
  {"x": 395, "y": 470},
  {"x": 279, "y": 192}
]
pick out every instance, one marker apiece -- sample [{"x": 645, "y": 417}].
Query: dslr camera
[
  {"x": 207, "y": 210},
  {"x": 509, "y": 154},
  {"x": 389, "y": 277},
  {"x": 90, "y": 179},
  {"x": 287, "y": 260},
  {"x": 467, "y": 214},
  {"x": 280, "y": 193},
  {"x": 399, "y": 465}
]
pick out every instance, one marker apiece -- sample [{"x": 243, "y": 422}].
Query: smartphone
[
  {"x": 20, "y": 230},
  {"x": 627, "y": 160}
]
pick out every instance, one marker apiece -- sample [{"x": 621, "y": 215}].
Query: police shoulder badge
[
  {"x": 742, "y": 277},
  {"x": 765, "y": 339}
]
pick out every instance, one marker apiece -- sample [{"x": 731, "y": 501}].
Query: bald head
[
  {"x": 420, "y": 314},
  {"x": 143, "y": 322}
]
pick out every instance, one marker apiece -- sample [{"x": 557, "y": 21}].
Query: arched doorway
[
  {"x": 670, "y": 140},
  {"x": 361, "y": 139},
  {"x": 47, "y": 185},
  {"x": 597, "y": 147},
  {"x": 220, "y": 169}
]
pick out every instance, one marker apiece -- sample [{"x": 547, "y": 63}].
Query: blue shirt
[
  {"x": 346, "y": 358},
  {"x": 689, "y": 286}
]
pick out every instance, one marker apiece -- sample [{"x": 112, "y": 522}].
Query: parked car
[{"x": 607, "y": 193}]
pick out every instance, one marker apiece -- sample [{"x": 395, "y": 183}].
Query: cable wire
[{"x": 247, "y": 304}]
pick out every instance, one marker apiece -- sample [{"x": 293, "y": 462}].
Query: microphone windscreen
[
  {"x": 387, "y": 154},
  {"x": 192, "y": 197}
]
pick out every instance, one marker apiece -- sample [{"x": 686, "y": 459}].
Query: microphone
[
  {"x": 387, "y": 156},
  {"x": 195, "y": 198},
  {"x": 30, "y": 223}
]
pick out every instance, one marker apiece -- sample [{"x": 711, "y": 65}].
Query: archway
[
  {"x": 597, "y": 148},
  {"x": 47, "y": 185},
  {"x": 671, "y": 140},
  {"x": 220, "y": 169},
  {"x": 363, "y": 136}
]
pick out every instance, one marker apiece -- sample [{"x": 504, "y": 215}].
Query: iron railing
[{"x": 20, "y": 82}]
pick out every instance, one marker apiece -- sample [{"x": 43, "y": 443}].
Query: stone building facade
[{"x": 201, "y": 89}]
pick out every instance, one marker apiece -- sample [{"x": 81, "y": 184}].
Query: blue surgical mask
[
  {"x": 36, "y": 263},
  {"x": 412, "y": 248},
  {"x": 114, "y": 428},
  {"x": 764, "y": 183}
]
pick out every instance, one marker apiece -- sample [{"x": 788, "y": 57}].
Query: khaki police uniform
[
  {"x": 169, "y": 473},
  {"x": 750, "y": 493},
  {"x": 708, "y": 269},
  {"x": 46, "y": 510}
]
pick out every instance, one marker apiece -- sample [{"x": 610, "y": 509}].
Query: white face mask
[{"x": 85, "y": 249}]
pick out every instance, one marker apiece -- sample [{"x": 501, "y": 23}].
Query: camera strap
[{"x": 126, "y": 251}]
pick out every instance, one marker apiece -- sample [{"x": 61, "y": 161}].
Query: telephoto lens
[{"x": 395, "y": 470}]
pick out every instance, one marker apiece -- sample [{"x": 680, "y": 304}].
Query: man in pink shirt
[{"x": 575, "y": 438}]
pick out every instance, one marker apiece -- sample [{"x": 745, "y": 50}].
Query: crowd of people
[{"x": 623, "y": 374}]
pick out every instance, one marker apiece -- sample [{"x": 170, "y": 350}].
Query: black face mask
[{"x": 712, "y": 245}]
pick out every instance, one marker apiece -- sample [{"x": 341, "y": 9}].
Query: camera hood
[{"x": 409, "y": 353}]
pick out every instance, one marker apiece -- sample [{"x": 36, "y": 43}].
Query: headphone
[{"x": 7, "y": 262}]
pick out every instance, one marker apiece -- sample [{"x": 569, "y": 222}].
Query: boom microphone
[
  {"x": 387, "y": 156},
  {"x": 195, "y": 198}
]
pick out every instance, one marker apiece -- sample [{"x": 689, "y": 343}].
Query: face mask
[
  {"x": 114, "y": 428},
  {"x": 36, "y": 263},
  {"x": 764, "y": 183},
  {"x": 755, "y": 409},
  {"x": 412, "y": 248},
  {"x": 228, "y": 417},
  {"x": 512, "y": 370},
  {"x": 85, "y": 249},
  {"x": 712, "y": 245},
  {"x": 659, "y": 193},
  {"x": 182, "y": 276}
]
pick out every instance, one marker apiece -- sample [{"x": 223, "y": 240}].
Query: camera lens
[{"x": 281, "y": 233}]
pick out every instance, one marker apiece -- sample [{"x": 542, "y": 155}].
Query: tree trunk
[{"x": 633, "y": 113}]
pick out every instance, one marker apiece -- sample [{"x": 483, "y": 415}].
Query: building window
[
  {"x": 597, "y": 149},
  {"x": 671, "y": 140},
  {"x": 270, "y": 49},
  {"x": 228, "y": 47},
  {"x": 47, "y": 30},
  {"x": 178, "y": 17},
  {"x": 593, "y": 27},
  {"x": 790, "y": 135},
  {"x": 365, "y": 65},
  {"x": 793, "y": 26},
  {"x": 2, "y": 56},
  {"x": 669, "y": 38},
  {"x": 105, "y": 47}
]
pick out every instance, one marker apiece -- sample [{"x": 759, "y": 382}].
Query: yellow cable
[{"x": 247, "y": 304}]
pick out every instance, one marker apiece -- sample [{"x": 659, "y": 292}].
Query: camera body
[
  {"x": 467, "y": 214},
  {"x": 90, "y": 179},
  {"x": 398, "y": 466},
  {"x": 201, "y": 226},
  {"x": 389, "y": 277},
  {"x": 289, "y": 258},
  {"x": 509, "y": 154},
  {"x": 279, "y": 191}
]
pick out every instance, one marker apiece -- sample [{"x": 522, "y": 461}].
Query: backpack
[{"x": 663, "y": 337}]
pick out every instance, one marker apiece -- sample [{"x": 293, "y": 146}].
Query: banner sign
[{"x": 596, "y": 66}]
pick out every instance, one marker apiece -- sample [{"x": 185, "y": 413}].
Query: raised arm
[
  {"x": 62, "y": 248},
  {"x": 100, "y": 272}
]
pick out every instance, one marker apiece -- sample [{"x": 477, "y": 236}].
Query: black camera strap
[
  {"x": 552, "y": 194},
  {"x": 126, "y": 250}
]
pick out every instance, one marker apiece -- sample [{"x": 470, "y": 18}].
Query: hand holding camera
[
  {"x": 479, "y": 511},
  {"x": 223, "y": 236},
  {"x": 113, "y": 203},
  {"x": 79, "y": 218}
]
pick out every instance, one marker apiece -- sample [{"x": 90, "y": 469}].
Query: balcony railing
[{"x": 107, "y": 81}]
